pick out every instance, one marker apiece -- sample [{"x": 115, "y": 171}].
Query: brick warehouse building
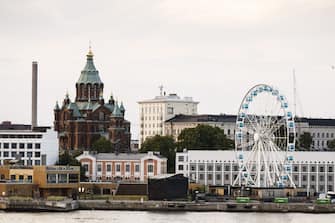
[{"x": 85, "y": 120}]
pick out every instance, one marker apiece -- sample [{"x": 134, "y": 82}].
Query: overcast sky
[{"x": 211, "y": 50}]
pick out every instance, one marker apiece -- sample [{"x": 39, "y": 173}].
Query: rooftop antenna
[{"x": 161, "y": 90}]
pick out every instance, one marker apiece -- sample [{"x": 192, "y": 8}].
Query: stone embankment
[{"x": 229, "y": 206}]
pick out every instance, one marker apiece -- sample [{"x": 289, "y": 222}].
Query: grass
[{"x": 56, "y": 198}]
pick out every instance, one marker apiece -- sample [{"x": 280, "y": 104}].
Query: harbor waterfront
[
  {"x": 125, "y": 217},
  {"x": 164, "y": 206}
]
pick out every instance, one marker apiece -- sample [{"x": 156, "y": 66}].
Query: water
[{"x": 162, "y": 217}]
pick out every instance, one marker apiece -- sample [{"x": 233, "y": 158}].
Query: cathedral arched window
[{"x": 101, "y": 116}]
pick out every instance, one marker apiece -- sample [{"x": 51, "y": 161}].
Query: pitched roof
[{"x": 203, "y": 118}]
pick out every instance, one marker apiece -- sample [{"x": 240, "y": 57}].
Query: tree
[
  {"x": 305, "y": 141},
  {"x": 102, "y": 145},
  {"x": 67, "y": 159},
  {"x": 331, "y": 144},
  {"x": 163, "y": 144},
  {"x": 204, "y": 137}
]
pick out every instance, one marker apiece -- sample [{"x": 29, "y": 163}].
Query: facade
[
  {"x": 26, "y": 146},
  {"x": 39, "y": 181},
  {"x": 321, "y": 130},
  {"x": 111, "y": 167},
  {"x": 311, "y": 170},
  {"x": 175, "y": 125},
  {"x": 154, "y": 112},
  {"x": 89, "y": 117}
]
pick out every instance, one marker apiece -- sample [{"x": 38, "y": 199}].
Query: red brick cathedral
[{"x": 88, "y": 118}]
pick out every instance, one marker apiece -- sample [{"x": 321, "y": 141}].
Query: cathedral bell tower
[{"x": 89, "y": 87}]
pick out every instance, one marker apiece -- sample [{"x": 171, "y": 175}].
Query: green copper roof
[
  {"x": 116, "y": 111},
  {"x": 74, "y": 108},
  {"x": 57, "y": 106},
  {"x": 89, "y": 74},
  {"x": 122, "y": 109}
]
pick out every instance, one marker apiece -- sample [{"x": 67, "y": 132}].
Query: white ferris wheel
[{"x": 264, "y": 139}]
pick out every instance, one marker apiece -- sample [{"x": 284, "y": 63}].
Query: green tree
[
  {"x": 67, "y": 159},
  {"x": 102, "y": 145},
  {"x": 305, "y": 141},
  {"x": 331, "y": 144},
  {"x": 163, "y": 144},
  {"x": 204, "y": 137}
]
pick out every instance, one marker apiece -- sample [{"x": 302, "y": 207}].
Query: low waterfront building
[
  {"x": 27, "y": 146},
  {"x": 313, "y": 171},
  {"x": 39, "y": 181},
  {"x": 122, "y": 166}
]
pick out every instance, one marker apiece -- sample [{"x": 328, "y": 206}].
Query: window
[
  {"x": 137, "y": 168},
  {"x": 170, "y": 110},
  {"x": 330, "y": 187},
  {"x": 218, "y": 177},
  {"x": 62, "y": 178},
  {"x": 304, "y": 169},
  {"x": 322, "y": 169},
  {"x": 118, "y": 168},
  {"x": 322, "y": 178},
  {"x": 330, "y": 169},
  {"x": 313, "y": 169},
  {"x": 37, "y": 162},
  {"x": 181, "y": 158},
  {"x": 21, "y": 145},
  {"x": 21, "y": 154},
  {"x": 13, "y": 154},
  {"x": 5, "y": 154},
  {"x": 29, "y": 154},
  {"x": 201, "y": 176},
  {"x": 235, "y": 168},
  {"x": 304, "y": 178},
  {"x": 150, "y": 168},
  {"x": 6, "y": 145},
  {"x": 218, "y": 168},
  {"x": 127, "y": 168},
  {"x": 37, "y": 145},
  {"x": 330, "y": 178},
  {"x": 210, "y": 168},
  {"x": 295, "y": 169},
  {"x": 180, "y": 167},
  {"x": 30, "y": 178},
  {"x": 29, "y": 145},
  {"x": 109, "y": 168},
  {"x": 73, "y": 178},
  {"x": 51, "y": 178},
  {"x": 12, "y": 177},
  {"x": 313, "y": 178},
  {"x": 201, "y": 167},
  {"x": 21, "y": 177},
  {"x": 37, "y": 154},
  {"x": 210, "y": 177},
  {"x": 29, "y": 162},
  {"x": 85, "y": 167},
  {"x": 227, "y": 168},
  {"x": 14, "y": 145},
  {"x": 226, "y": 177},
  {"x": 99, "y": 167}
]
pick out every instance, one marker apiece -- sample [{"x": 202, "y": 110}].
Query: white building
[
  {"x": 311, "y": 170},
  {"x": 18, "y": 143},
  {"x": 321, "y": 130},
  {"x": 154, "y": 112}
]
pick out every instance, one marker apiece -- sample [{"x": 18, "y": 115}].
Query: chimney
[{"x": 34, "y": 96}]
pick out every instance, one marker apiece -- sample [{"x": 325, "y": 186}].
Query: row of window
[
  {"x": 304, "y": 178},
  {"x": 158, "y": 132},
  {"x": 13, "y": 136},
  {"x": 62, "y": 178},
  {"x": 323, "y": 135},
  {"x": 153, "y": 118},
  {"x": 21, "y": 154},
  {"x": 118, "y": 168},
  {"x": 158, "y": 125},
  {"x": 152, "y": 109},
  {"x": 25, "y": 162},
  {"x": 14, "y": 145},
  {"x": 218, "y": 168}
]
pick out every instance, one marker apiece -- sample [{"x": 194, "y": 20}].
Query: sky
[{"x": 211, "y": 50}]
